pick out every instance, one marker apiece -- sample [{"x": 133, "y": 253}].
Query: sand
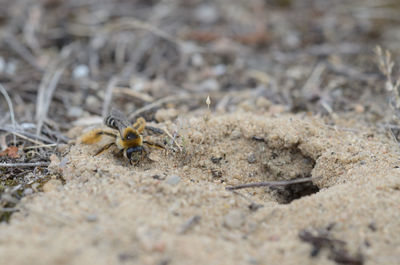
[{"x": 174, "y": 209}]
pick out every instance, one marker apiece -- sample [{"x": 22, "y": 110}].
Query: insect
[{"x": 126, "y": 137}]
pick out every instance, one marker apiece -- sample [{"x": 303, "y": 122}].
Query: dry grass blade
[
  {"x": 39, "y": 140},
  {"x": 195, "y": 219},
  {"x": 45, "y": 95},
  {"x": 269, "y": 183},
  {"x": 173, "y": 139},
  {"x": 37, "y": 164},
  {"x": 10, "y": 107},
  {"x": 48, "y": 85},
  {"x": 134, "y": 94},
  {"x": 9, "y": 209}
]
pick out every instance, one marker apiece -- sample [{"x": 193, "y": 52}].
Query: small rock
[
  {"x": 197, "y": 60},
  {"x": 277, "y": 109},
  {"x": 154, "y": 156},
  {"x": 173, "y": 180},
  {"x": 216, "y": 173},
  {"x": 166, "y": 114},
  {"x": 251, "y": 158},
  {"x": 51, "y": 185},
  {"x": 216, "y": 160},
  {"x": 80, "y": 71},
  {"x": 74, "y": 112},
  {"x": 219, "y": 70},
  {"x": 206, "y": 13},
  {"x": 209, "y": 85},
  {"x": 28, "y": 191},
  {"x": 62, "y": 148},
  {"x": 263, "y": 103},
  {"x": 91, "y": 218},
  {"x": 359, "y": 108},
  {"x": 92, "y": 102},
  {"x": 11, "y": 68},
  {"x": 234, "y": 219},
  {"x": 236, "y": 134},
  {"x": 197, "y": 137}
]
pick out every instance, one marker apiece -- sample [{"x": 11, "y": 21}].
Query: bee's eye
[{"x": 133, "y": 151}]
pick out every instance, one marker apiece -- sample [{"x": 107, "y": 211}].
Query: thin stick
[
  {"x": 37, "y": 164},
  {"x": 27, "y": 138},
  {"x": 173, "y": 139},
  {"x": 10, "y": 107},
  {"x": 44, "y": 99},
  {"x": 16, "y": 133},
  {"x": 195, "y": 219},
  {"x": 9, "y": 209},
  {"x": 40, "y": 146},
  {"x": 48, "y": 85},
  {"x": 269, "y": 183}
]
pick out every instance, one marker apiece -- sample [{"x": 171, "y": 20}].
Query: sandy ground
[{"x": 174, "y": 208}]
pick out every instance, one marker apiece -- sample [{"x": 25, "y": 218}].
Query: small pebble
[
  {"x": 197, "y": 137},
  {"x": 80, "y": 71},
  {"x": 62, "y": 148},
  {"x": 209, "y": 85},
  {"x": 263, "y": 103},
  {"x": 236, "y": 134},
  {"x": 251, "y": 158},
  {"x": 11, "y": 68},
  {"x": 154, "y": 156},
  {"x": 173, "y": 180},
  {"x": 91, "y": 218},
  {"x": 206, "y": 13},
  {"x": 92, "y": 102},
  {"x": 359, "y": 108},
  {"x": 219, "y": 69},
  {"x": 28, "y": 191},
  {"x": 197, "y": 60},
  {"x": 74, "y": 112},
  {"x": 234, "y": 219}
]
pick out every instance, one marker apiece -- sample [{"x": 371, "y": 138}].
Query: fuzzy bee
[{"x": 126, "y": 137}]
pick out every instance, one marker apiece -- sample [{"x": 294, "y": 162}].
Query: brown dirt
[{"x": 110, "y": 213}]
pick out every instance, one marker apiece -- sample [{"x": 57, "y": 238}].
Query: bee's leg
[
  {"x": 154, "y": 145},
  {"x": 107, "y": 133},
  {"x": 95, "y": 136},
  {"x": 154, "y": 129},
  {"x": 139, "y": 125},
  {"x": 104, "y": 148}
]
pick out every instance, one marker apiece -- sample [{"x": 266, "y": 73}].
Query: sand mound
[{"x": 173, "y": 208}]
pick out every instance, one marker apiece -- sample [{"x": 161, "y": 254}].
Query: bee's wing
[{"x": 117, "y": 120}]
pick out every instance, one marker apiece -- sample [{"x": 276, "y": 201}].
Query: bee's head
[
  {"x": 133, "y": 154},
  {"x": 130, "y": 134}
]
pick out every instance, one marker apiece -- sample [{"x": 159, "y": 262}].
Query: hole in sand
[
  {"x": 289, "y": 193},
  {"x": 287, "y": 164}
]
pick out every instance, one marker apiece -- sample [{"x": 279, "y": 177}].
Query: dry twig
[
  {"x": 10, "y": 107},
  {"x": 270, "y": 183},
  {"x": 37, "y": 164}
]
